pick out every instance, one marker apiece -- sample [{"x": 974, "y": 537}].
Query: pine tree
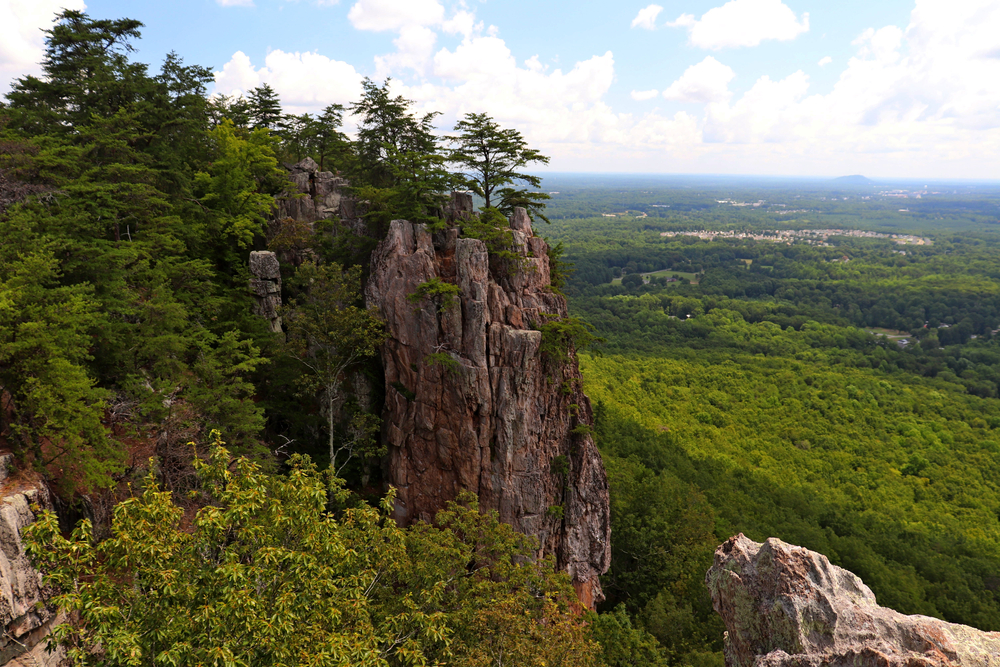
[
  {"x": 264, "y": 108},
  {"x": 492, "y": 158}
]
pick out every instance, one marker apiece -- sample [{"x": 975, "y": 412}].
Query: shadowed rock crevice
[
  {"x": 785, "y": 606},
  {"x": 472, "y": 403}
]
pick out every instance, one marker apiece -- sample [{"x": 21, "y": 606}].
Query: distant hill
[{"x": 857, "y": 179}]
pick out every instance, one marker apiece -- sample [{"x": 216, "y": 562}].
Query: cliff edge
[
  {"x": 25, "y": 614},
  {"x": 473, "y": 403},
  {"x": 785, "y": 606}
]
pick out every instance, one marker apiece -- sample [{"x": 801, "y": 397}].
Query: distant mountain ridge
[{"x": 856, "y": 179}]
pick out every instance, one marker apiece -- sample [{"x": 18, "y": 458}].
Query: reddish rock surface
[
  {"x": 498, "y": 418},
  {"x": 785, "y": 606}
]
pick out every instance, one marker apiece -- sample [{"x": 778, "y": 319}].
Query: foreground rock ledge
[{"x": 785, "y": 606}]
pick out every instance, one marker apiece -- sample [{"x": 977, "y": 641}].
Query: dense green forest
[{"x": 842, "y": 395}]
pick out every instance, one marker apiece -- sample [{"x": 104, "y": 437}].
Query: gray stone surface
[
  {"x": 24, "y": 614},
  {"x": 495, "y": 422},
  {"x": 318, "y": 195},
  {"x": 265, "y": 285},
  {"x": 785, "y": 606}
]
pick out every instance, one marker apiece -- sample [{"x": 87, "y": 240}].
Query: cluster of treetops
[
  {"x": 129, "y": 202},
  {"x": 846, "y": 406}
]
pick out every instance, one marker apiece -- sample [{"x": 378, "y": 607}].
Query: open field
[
  {"x": 891, "y": 334},
  {"x": 693, "y": 277}
]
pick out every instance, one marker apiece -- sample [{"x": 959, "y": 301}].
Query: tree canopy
[{"x": 267, "y": 574}]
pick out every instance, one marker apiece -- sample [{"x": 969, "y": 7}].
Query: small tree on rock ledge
[{"x": 492, "y": 159}]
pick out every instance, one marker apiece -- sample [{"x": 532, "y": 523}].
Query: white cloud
[
  {"x": 646, "y": 18},
  {"x": 22, "y": 42},
  {"x": 743, "y": 23},
  {"x": 708, "y": 81},
  {"x": 882, "y": 45},
  {"x": 824, "y": 61},
  {"x": 761, "y": 114},
  {"x": 916, "y": 100},
  {"x": 395, "y": 14},
  {"x": 303, "y": 81},
  {"x": 235, "y": 3},
  {"x": 462, "y": 23},
  {"x": 414, "y": 48},
  {"x": 642, "y": 95}
]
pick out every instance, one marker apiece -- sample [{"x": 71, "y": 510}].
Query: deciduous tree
[
  {"x": 267, "y": 574},
  {"x": 329, "y": 334}
]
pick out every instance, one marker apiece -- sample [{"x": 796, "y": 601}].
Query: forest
[{"x": 841, "y": 396}]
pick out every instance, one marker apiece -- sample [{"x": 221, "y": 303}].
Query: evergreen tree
[
  {"x": 329, "y": 335},
  {"x": 264, "y": 108},
  {"x": 492, "y": 158},
  {"x": 86, "y": 71},
  {"x": 328, "y": 143},
  {"x": 388, "y": 130}
]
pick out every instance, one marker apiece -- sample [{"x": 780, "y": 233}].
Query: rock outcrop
[
  {"x": 785, "y": 606},
  {"x": 473, "y": 403},
  {"x": 24, "y": 613},
  {"x": 318, "y": 195},
  {"x": 265, "y": 285}
]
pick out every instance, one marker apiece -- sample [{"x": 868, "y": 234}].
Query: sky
[{"x": 886, "y": 88}]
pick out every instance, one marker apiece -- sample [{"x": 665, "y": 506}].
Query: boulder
[{"x": 785, "y": 606}]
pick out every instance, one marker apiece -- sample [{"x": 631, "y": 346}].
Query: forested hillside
[{"x": 840, "y": 395}]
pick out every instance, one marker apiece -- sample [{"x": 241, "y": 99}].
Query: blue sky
[{"x": 772, "y": 87}]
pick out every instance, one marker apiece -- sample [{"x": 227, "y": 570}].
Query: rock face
[
  {"x": 319, "y": 195},
  {"x": 265, "y": 285},
  {"x": 25, "y": 616},
  {"x": 472, "y": 403},
  {"x": 785, "y": 606}
]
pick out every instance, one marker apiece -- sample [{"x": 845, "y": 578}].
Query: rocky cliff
[
  {"x": 24, "y": 614},
  {"x": 318, "y": 195},
  {"x": 473, "y": 403},
  {"x": 785, "y": 606}
]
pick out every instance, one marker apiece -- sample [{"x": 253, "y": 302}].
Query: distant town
[{"x": 810, "y": 236}]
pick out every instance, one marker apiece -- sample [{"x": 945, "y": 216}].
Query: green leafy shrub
[
  {"x": 444, "y": 360},
  {"x": 565, "y": 335},
  {"x": 493, "y": 229},
  {"x": 560, "y": 465},
  {"x": 401, "y": 388},
  {"x": 559, "y": 270},
  {"x": 555, "y": 511},
  {"x": 439, "y": 292}
]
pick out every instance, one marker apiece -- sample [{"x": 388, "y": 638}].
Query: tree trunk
[{"x": 329, "y": 418}]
